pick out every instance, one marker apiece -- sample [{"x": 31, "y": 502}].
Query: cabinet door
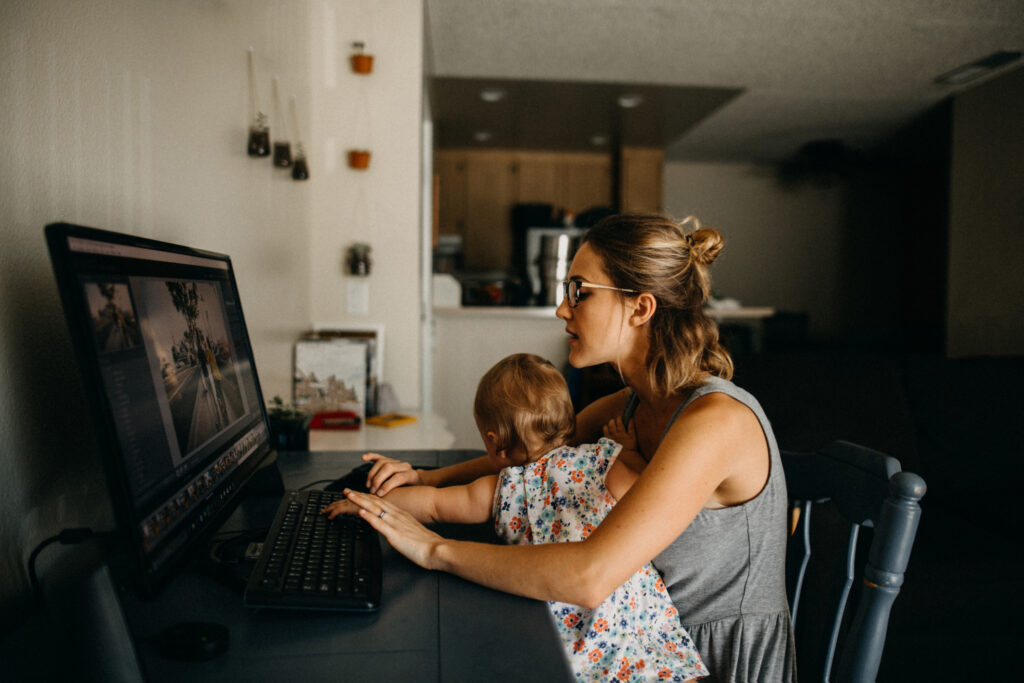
[
  {"x": 490, "y": 192},
  {"x": 450, "y": 167},
  {"x": 539, "y": 179},
  {"x": 640, "y": 170},
  {"x": 588, "y": 182}
]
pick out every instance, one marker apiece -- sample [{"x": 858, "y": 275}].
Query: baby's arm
[
  {"x": 467, "y": 504},
  {"x": 620, "y": 477}
]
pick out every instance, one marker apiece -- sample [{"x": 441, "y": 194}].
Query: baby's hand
[
  {"x": 340, "y": 507},
  {"x": 616, "y": 431}
]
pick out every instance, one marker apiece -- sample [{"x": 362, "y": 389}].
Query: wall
[
  {"x": 132, "y": 115},
  {"x": 783, "y": 243},
  {"x": 381, "y": 205},
  {"x": 986, "y": 239}
]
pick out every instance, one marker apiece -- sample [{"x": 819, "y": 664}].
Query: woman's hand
[
  {"x": 403, "y": 532},
  {"x": 340, "y": 507},
  {"x": 388, "y": 473}
]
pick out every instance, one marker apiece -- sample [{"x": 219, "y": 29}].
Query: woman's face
[{"x": 597, "y": 326}]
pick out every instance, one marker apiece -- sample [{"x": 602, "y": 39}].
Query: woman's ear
[{"x": 644, "y": 306}]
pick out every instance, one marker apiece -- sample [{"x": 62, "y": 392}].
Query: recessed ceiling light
[
  {"x": 492, "y": 94},
  {"x": 977, "y": 68},
  {"x": 482, "y": 135},
  {"x": 630, "y": 100}
]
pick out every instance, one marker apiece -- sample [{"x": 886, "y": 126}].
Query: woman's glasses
[{"x": 573, "y": 295}]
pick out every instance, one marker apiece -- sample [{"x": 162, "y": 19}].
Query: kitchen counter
[
  {"x": 752, "y": 313},
  {"x": 467, "y": 340},
  {"x": 496, "y": 312}
]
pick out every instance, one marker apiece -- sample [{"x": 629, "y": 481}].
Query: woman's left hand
[{"x": 403, "y": 531}]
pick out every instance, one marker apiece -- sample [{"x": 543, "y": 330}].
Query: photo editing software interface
[{"x": 160, "y": 332}]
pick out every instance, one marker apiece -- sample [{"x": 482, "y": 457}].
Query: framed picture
[
  {"x": 370, "y": 334},
  {"x": 331, "y": 375}
]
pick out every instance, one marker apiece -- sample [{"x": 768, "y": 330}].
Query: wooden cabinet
[
  {"x": 640, "y": 179},
  {"x": 478, "y": 188},
  {"x": 450, "y": 172},
  {"x": 490, "y": 190}
]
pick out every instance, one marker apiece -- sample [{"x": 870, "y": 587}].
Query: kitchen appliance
[{"x": 549, "y": 253}]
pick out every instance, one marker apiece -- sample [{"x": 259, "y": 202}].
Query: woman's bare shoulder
[{"x": 728, "y": 437}]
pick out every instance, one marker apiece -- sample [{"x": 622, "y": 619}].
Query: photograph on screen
[
  {"x": 186, "y": 325},
  {"x": 113, "y": 316}
]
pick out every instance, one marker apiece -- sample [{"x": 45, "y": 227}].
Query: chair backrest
[{"x": 867, "y": 489}]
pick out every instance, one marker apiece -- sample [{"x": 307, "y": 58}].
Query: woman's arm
[
  {"x": 388, "y": 474},
  {"x": 468, "y": 504},
  {"x": 714, "y": 438}
]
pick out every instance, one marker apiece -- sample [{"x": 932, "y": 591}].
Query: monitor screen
[{"x": 169, "y": 374}]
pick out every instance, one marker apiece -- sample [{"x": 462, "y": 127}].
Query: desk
[
  {"x": 428, "y": 431},
  {"x": 431, "y": 626}
]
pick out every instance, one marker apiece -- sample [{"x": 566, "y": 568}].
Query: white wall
[
  {"x": 783, "y": 244},
  {"x": 381, "y": 205},
  {"x": 132, "y": 115},
  {"x": 986, "y": 237}
]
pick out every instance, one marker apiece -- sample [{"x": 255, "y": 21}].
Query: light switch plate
[{"x": 357, "y": 297}]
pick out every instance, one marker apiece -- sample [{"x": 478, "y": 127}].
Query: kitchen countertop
[{"x": 741, "y": 313}]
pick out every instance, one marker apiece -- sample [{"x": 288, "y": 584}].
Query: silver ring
[{"x": 382, "y": 513}]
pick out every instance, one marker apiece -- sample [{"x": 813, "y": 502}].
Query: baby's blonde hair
[{"x": 524, "y": 398}]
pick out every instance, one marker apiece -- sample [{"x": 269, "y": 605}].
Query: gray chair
[{"x": 866, "y": 489}]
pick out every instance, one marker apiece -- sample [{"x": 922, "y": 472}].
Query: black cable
[
  {"x": 314, "y": 483},
  {"x": 223, "y": 536},
  {"x": 65, "y": 537}
]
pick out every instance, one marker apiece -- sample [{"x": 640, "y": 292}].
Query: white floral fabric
[{"x": 635, "y": 634}]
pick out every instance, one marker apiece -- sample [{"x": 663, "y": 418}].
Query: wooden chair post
[{"x": 883, "y": 576}]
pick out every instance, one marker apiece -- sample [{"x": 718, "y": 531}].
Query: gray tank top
[{"x": 726, "y": 572}]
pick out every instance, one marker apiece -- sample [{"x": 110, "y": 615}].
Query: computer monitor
[{"x": 169, "y": 374}]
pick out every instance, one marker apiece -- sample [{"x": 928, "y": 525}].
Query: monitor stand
[
  {"x": 86, "y": 610},
  {"x": 266, "y": 480},
  {"x": 229, "y": 557}
]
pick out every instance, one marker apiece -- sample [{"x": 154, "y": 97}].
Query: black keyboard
[{"x": 311, "y": 562}]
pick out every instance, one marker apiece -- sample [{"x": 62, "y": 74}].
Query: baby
[{"x": 549, "y": 492}]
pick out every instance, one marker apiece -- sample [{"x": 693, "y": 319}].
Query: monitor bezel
[{"x": 144, "y": 577}]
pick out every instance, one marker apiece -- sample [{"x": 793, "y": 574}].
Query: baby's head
[{"x": 523, "y": 408}]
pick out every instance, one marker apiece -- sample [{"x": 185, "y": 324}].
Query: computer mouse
[
  {"x": 193, "y": 640},
  {"x": 355, "y": 480}
]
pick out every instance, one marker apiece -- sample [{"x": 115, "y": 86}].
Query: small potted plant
[
  {"x": 358, "y": 259},
  {"x": 359, "y": 159},
  {"x": 361, "y": 63},
  {"x": 289, "y": 426}
]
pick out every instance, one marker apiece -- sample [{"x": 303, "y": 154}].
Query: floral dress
[{"x": 635, "y": 634}]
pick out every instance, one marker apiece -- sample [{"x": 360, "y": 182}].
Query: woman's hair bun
[{"x": 705, "y": 245}]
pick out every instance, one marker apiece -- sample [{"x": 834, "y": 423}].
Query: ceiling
[{"x": 719, "y": 80}]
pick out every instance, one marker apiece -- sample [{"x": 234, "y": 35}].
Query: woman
[{"x": 711, "y": 467}]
